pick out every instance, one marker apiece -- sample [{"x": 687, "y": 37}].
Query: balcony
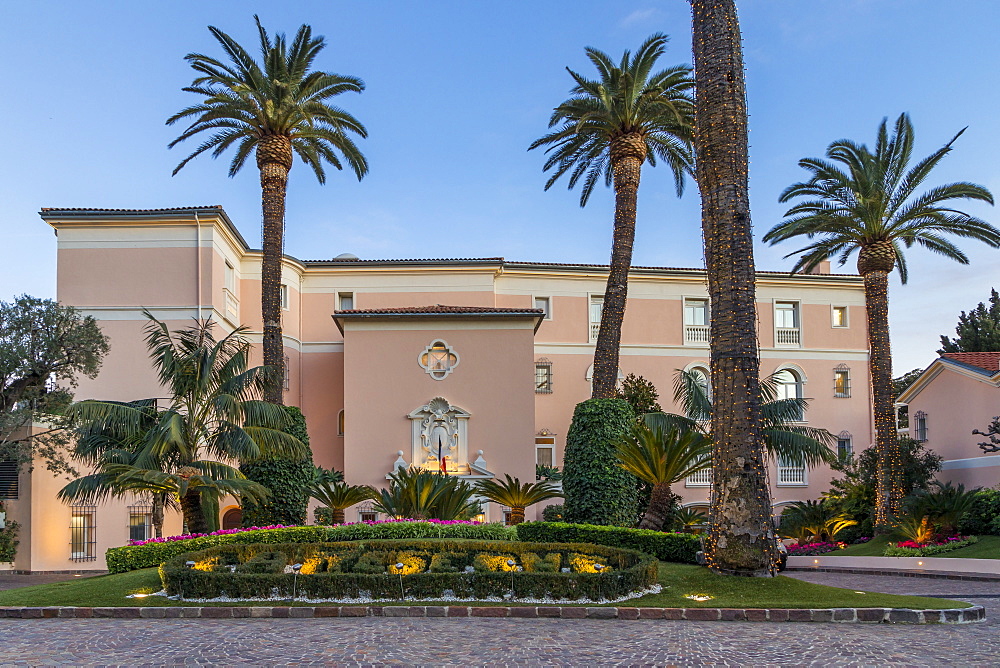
[
  {"x": 696, "y": 334},
  {"x": 791, "y": 475},
  {"x": 232, "y": 307},
  {"x": 595, "y": 329},
  {"x": 787, "y": 336},
  {"x": 702, "y": 478}
]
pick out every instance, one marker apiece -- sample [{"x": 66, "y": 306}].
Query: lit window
[
  {"x": 345, "y": 301},
  {"x": 543, "y": 376},
  {"x": 83, "y": 533},
  {"x": 284, "y": 297},
  {"x": 920, "y": 426},
  {"x": 845, "y": 446},
  {"x": 140, "y": 522},
  {"x": 545, "y": 451},
  {"x": 596, "y": 307},
  {"x": 8, "y": 479},
  {"x": 438, "y": 360},
  {"x": 789, "y": 386},
  {"x": 544, "y": 304},
  {"x": 842, "y": 381},
  {"x": 840, "y": 316},
  {"x": 340, "y": 423}
]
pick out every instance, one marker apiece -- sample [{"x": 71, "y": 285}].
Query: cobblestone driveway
[{"x": 516, "y": 642}]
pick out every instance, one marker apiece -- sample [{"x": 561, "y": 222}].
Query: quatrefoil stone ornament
[{"x": 438, "y": 359}]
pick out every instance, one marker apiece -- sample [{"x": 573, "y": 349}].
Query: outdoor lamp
[{"x": 189, "y": 564}]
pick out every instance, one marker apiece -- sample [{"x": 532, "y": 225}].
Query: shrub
[
  {"x": 597, "y": 490},
  {"x": 133, "y": 557},
  {"x": 913, "y": 549},
  {"x": 8, "y": 541},
  {"x": 811, "y": 549},
  {"x": 553, "y": 513},
  {"x": 287, "y": 480},
  {"x": 323, "y": 515},
  {"x": 370, "y": 574},
  {"x": 984, "y": 516},
  {"x": 676, "y": 547}
]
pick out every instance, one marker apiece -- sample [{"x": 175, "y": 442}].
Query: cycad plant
[
  {"x": 662, "y": 455},
  {"x": 688, "y": 518},
  {"x": 214, "y": 410},
  {"x": 339, "y": 496},
  {"x": 275, "y": 109},
  {"x": 612, "y": 125},
  {"x": 813, "y": 521},
  {"x": 417, "y": 494},
  {"x": 944, "y": 505},
  {"x": 871, "y": 202},
  {"x": 512, "y": 493}
]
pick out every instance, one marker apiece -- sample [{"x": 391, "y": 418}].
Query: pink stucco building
[
  {"x": 386, "y": 356},
  {"x": 957, "y": 393}
]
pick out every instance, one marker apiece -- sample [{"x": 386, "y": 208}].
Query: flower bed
[
  {"x": 675, "y": 547},
  {"x": 155, "y": 552},
  {"x": 386, "y": 570},
  {"x": 811, "y": 549},
  {"x": 909, "y": 548}
]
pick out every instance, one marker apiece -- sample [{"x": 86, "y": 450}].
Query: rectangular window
[
  {"x": 839, "y": 316},
  {"x": 544, "y": 303},
  {"x": 83, "y": 533},
  {"x": 8, "y": 479},
  {"x": 345, "y": 301},
  {"x": 844, "y": 448},
  {"x": 230, "y": 278},
  {"x": 543, "y": 378},
  {"x": 288, "y": 373},
  {"x": 786, "y": 324},
  {"x": 140, "y": 522},
  {"x": 842, "y": 383},
  {"x": 696, "y": 321},
  {"x": 545, "y": 451},
  {"x": 285, "y": 303},
  {"x": 596, "y": 307},
  {"x": 366, "y": 513},
  {"x": 920, "y": 426}
]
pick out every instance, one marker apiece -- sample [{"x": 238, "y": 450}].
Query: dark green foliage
[
  {"x": 984, "y": 516},
  {"x": 132, "y": 557},
  {"x": 287, "y": 479},
  {"x": 597, "y": 490},
  {"x": 323, "y": 516},
  {"x": 8, "y": 541},
  {"x": 978, "y": 331},
  {"x": 553, "y": 512},
  {"x": 366, "y": 573},
  {"x": 676, "y": 547},
  {"x": 640, "y": 394}
]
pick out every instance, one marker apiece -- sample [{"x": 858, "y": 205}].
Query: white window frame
[
  {"x": 778, "y": 331},
  {"x": 340, "y": 301},
  {"x": 548, "y": 305},
  {"x": 285, "y": 295},
  {"x": 593, "y": 328},
  {"x": 796, "y": 371},
  {"x": 699, "y": 336},
  {"x": 546, "y": 446},
  {"x": 287, "y": 379},
  {"x": 833, "y": 316},
  {"x": 230, "y": 302}
]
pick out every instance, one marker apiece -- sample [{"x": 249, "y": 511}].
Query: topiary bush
[
  {"x": 553, "y": 513},
  {"x": 475, "y": 570},
  {"x": 154, "y": 553},
  {"x": 675, "y": 547},
  {"x": 984, "y": 517},
  {"x": 288, "y": 481},
  {"x": 597, "y": 490}
]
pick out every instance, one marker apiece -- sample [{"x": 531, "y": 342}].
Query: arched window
[
  {"x": 789, "y": 386},
  {"x": 703, "y": 377}
]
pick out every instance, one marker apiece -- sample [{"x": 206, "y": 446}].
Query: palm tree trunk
[
  {"x": 741, "y": 536},
  {"x": 627, "y": 155},
  {"x": 888, "y": 485},
  {"x": 337, "y": 515},
  {"x": 156, "y": 516},
  {"x": 194, "y": 518},
  {"x": 515, "y": 516},
  {"x": 659, "y": 507},
  {"x": 274, "y": 159}
]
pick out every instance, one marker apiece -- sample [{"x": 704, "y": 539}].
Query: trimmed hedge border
[
  {"x": 680, "y": 548},
  {"x": 839, "y": 615},
  {"x": 150, "y": 555}
]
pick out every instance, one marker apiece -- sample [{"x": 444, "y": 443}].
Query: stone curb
[{"x": 839, "y": 615}]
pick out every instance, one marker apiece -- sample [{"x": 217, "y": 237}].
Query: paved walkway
[
  {"x": 476, "y": 642},
  {"x": 10, "y": 580}
]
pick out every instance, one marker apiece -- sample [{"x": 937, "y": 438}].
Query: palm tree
[
  {"x": 339, "y": 496},
  {"x": 857, "y": 200},
  {"x": 276, "y": 108},
  {"x": 741, "y": 537},
  {"x": 661, "y": 456},
  {"x": 516, "y": 496},
  {"x": 213, "y": 409},
  {"x": 609, "y": 128}
]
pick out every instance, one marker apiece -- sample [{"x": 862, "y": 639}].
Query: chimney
[{"x": 822, "y": 268}]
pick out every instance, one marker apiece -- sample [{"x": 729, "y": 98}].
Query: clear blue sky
[{"x": 456, "y": 92}]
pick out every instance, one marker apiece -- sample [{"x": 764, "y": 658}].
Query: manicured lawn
[
  {"x": 988, "y": 547},
  {"x": 677, "y": 580}
]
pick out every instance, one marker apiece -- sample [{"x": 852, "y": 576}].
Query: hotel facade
[{"x": 479, "y": 361}]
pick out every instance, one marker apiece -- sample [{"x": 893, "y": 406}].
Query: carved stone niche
[{"x": 438, "y": 427}]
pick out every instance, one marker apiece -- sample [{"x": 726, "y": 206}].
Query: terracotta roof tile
[
  {"x": 53, "y": 210},
  {"x": 986, "y": 361},
  {"x": 442, "y": 309}
]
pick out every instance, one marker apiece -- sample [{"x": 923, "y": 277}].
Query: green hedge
[
  {"x": 597, "y": 489},
  {"x": 287, "y": 480},
  {"x": 133, "y": 557},
  {"x": 629, "y": 571},
  {"x": 984, "y": 516},
  {"x": 676, "y": 547}
]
